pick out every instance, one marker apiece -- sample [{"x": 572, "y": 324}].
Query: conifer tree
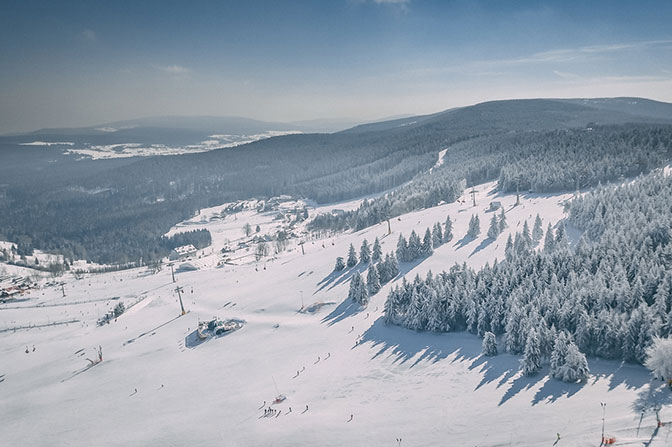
[
  {"x": 402, "y": 249},
  {"x": 474, "y": 226},
  {"x": 549, "y": 241},
  {"x": 489, "y": 346},
  {"x": 559, "y": 354},
  {"x": 414, "y": 247},
  {"x": 352, "y": 256},
  {"x": 448, "y": 230},
  {"x": 340, "y": 264},
  {"x": 391, "y": 265},
  {"x": 365, "y": 252},
  {"x": 537, "y": 230},
  {"x": 575, "y": 366},
  {"x": 377, "y": 253},
  {"x": 526, "y": 237},
  {"x": 437, "y": 235},
  {"x": 426, "y": 247},
  {"x": 373, "y": 280},
  {"x": 531, "y": 363},
  {"x": 358, "y": 291},
  {"x": 502, "y": 221},
  {"x": 493, "y": 231}
]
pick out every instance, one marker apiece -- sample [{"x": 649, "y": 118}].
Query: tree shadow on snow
[
  {"x": 466, "y": 240},
  {"x": 403, "y": 345},
  {"x": 484, "y": 243},
  {"x": 344, "y": 310},
  {"x": 655, "y": 395},
  {"x": 335, "y": 278}
]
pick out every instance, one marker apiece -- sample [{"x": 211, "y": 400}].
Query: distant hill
[
  {"x": 44, "y": 199},
  {"x": 632, "y": 106}
]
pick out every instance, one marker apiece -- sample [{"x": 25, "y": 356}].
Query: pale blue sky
[{"x": 86, "y": 62}]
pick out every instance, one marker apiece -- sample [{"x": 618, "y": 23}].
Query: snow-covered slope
[{"x": 364, "y": 383}]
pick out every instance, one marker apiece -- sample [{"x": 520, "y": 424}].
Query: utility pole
[
  {"x": 473, "y": 195},
  {"x": 179, "y": 294},
  {"x": 172, "y": 271},
  {"x": 604, "y": 409},
  {"x": 303, "y": 252},
  {"x": 301, "y": 299},
  {"x": 389, "y": 228},
  {"x": 63, "y": 289}
]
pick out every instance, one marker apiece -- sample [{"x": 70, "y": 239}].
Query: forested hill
[{"x": 118, "y": 211}]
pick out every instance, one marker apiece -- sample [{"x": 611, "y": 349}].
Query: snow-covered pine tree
[
  {"x": 391, "y": 265},
  {"x": 340, "y": 264},
  {"x": 559, "y": 354},
  {"x": 537, "y": 230},
  {"x": 414, "y": 247},
  {"x": 448, "y": 230},
  {"x": 426, "y": 247},
  {"x": 489, "y": 346},
  {"x": 474, "y": 226},
  {"x": 575, "y": 367},
  {"x": 437, "y": 235},
  {"x": 549, "y": 240},
  {"x": 493, "y": 231},
  {"x": 365, "y": 252},
  {"x": 560, "y": 236},
  {"x": 377, "y": 253},
  {"x": 509, "y": 253},
  {"x": 402, "y": 249},
  {"x": 531, "y": 363},
  {"x": 352, "y": 256},
  {"x": 358, "y": 291},
  {"x": 526, "y": 237},
  {"x": 373, "y": 280},
  {"x": 502, "y": 221}
]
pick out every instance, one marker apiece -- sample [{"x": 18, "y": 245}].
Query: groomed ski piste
[{"x": 348, "y": 378}]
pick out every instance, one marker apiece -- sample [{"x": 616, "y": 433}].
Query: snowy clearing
[{"x": 348, "y": 378}]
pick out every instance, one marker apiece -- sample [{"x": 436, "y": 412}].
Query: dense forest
[
  {"x": 117, "y": 210},
  {"x": 607, "y": 294},
  {"x": 547, "y": 161}
]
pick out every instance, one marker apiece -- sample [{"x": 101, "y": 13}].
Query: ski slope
[{"x": 348, "y": 378}]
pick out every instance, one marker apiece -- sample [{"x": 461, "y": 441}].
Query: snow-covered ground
[
  {"x": 348, "y": 378},
  {"x": 124, "y": 150}
]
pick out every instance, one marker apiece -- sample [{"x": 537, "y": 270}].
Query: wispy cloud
[
  {"x": 583, "y": 52},
  {"x": 173, "y": 69}
]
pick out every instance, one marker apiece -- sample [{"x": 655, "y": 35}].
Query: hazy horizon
[{"x": 86, "y": 63}]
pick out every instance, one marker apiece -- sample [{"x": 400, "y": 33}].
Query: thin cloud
[{"x": 177, "y": 70}]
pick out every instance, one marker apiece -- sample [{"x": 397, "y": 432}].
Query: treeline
[
  {"x": 609, "y": 295},
  {"x": 116, "y": 211},
  {"x": 546, "y": 161}
]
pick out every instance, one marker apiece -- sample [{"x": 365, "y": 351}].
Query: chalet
[
  {"x": 494, "y": 206},
  {"x": 182, "y": 252}
]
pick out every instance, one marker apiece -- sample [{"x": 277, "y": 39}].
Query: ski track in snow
[{"x": 428, "y": 389}]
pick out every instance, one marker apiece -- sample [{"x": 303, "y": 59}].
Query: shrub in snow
[
  {"x": 489, "y": 344},
  {"x": 659, "y": 358}
]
